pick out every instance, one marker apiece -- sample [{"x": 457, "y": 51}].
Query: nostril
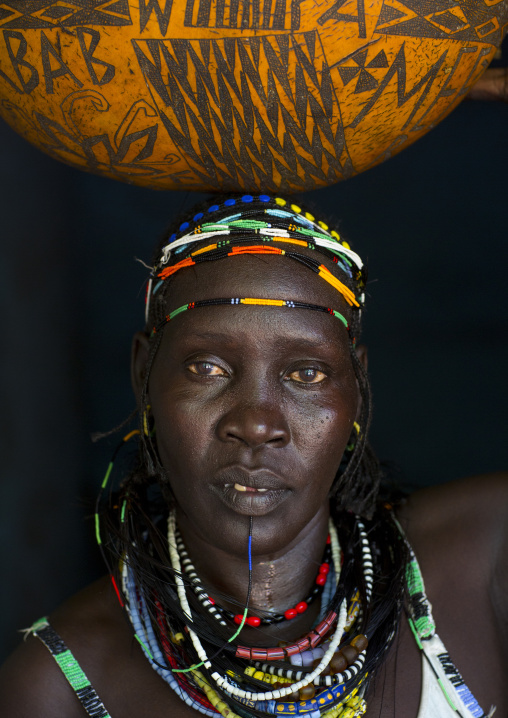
[
  {"x": 254, "y": 427},
  {"x": 276, "y": 440}
]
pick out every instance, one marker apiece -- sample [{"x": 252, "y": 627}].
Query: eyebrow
[
  {"x": 229, "y": 339},
  {"x": 215, "y": 336}
]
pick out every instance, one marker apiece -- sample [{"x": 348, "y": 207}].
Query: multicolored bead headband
[
  {"x": 283, "y": 225},
  {"x": 252, "y": 301},
  {"x": 213, "y": 252}
]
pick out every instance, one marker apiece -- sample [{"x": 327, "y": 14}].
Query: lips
[{"x": 250, "y": 492}]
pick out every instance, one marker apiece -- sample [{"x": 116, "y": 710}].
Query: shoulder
[
  {"x": 31, "y": 681},
  {"x": 96, "y": 631},
  {"x": 31, "y": 684},
  {"x": 459, "y": 532},
  {"x": 473, "y": 510}
]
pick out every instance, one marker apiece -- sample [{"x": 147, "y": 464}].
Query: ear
[{"x": 139, "y": 359}]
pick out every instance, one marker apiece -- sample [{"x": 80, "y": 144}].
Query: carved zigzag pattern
[{"x": 231, "y": 109}]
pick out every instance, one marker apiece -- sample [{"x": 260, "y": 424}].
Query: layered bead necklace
[
  {"x": 219, "y": 612},
  {"x": 324, "y": 675}
]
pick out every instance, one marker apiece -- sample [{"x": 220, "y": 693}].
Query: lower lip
[{"x": 251, "y": 502}]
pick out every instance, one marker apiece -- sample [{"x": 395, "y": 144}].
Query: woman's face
[{"x": 253, "y": 406}]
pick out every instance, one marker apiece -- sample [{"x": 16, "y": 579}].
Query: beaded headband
[
  {"x": 253, "y": 301},
  {"x": 282, "y": 225}
]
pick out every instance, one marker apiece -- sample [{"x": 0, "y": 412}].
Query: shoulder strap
[
  {"x": 422, "y": 624},
  {"x": 70, "y": 668}
]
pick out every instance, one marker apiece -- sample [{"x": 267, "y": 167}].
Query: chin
[{"x": 275, "y": 527}]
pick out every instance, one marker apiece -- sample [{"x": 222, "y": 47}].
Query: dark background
[{"x": 431, "y": 223}]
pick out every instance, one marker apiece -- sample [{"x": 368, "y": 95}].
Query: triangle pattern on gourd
[{"x": 393, "y": 13}]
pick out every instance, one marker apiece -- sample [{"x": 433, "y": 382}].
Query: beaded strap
[
  {"x": 250, "y": 301},
  {"x": 423, "y": 627},
  {"x": 422, "y": 624},
  {"x": 70, "y": 668},
  {"x": 420, "y": 606},
  {"x": 449, "y": 678}
]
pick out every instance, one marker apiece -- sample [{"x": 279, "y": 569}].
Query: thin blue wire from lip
[{"x": 250, "y": 545}]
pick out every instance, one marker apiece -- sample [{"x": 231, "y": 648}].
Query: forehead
[
  {"x": 266, "y": 334},
  {"x": 256, "y": 277},
  {"x": 260, "y": 276}
]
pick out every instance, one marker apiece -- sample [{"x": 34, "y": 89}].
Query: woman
[{"x": 260, "y": 570}]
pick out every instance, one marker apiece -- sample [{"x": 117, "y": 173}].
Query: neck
[{"x": 279, "y": 580}]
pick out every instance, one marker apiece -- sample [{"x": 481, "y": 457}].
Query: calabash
[{"x": 284, "y": 95}]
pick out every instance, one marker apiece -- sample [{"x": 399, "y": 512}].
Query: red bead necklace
[
  {"x": 220, "y": 612},
  {"x": 301, "y": 607}
]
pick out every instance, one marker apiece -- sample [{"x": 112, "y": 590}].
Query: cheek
[
  {"x": 182, "y": 436},
  {"x": 322, "y": 432},
  {"x": 184, "y": 425},
  {"x": 182, "y": 442},
  {"x": 327, "y": 418}
]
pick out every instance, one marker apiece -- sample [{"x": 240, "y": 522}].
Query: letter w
[{"x": 147, "y": 7}]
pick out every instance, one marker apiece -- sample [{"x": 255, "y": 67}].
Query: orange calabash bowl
[{"x": 250, "y": 95}]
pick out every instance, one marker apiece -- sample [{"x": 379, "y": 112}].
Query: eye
[
  {"x": 206, "y": 368},
  {"x": 309, "y": 375}
]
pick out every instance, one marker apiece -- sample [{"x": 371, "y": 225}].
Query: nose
[{"x": 255, "y": 423}]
